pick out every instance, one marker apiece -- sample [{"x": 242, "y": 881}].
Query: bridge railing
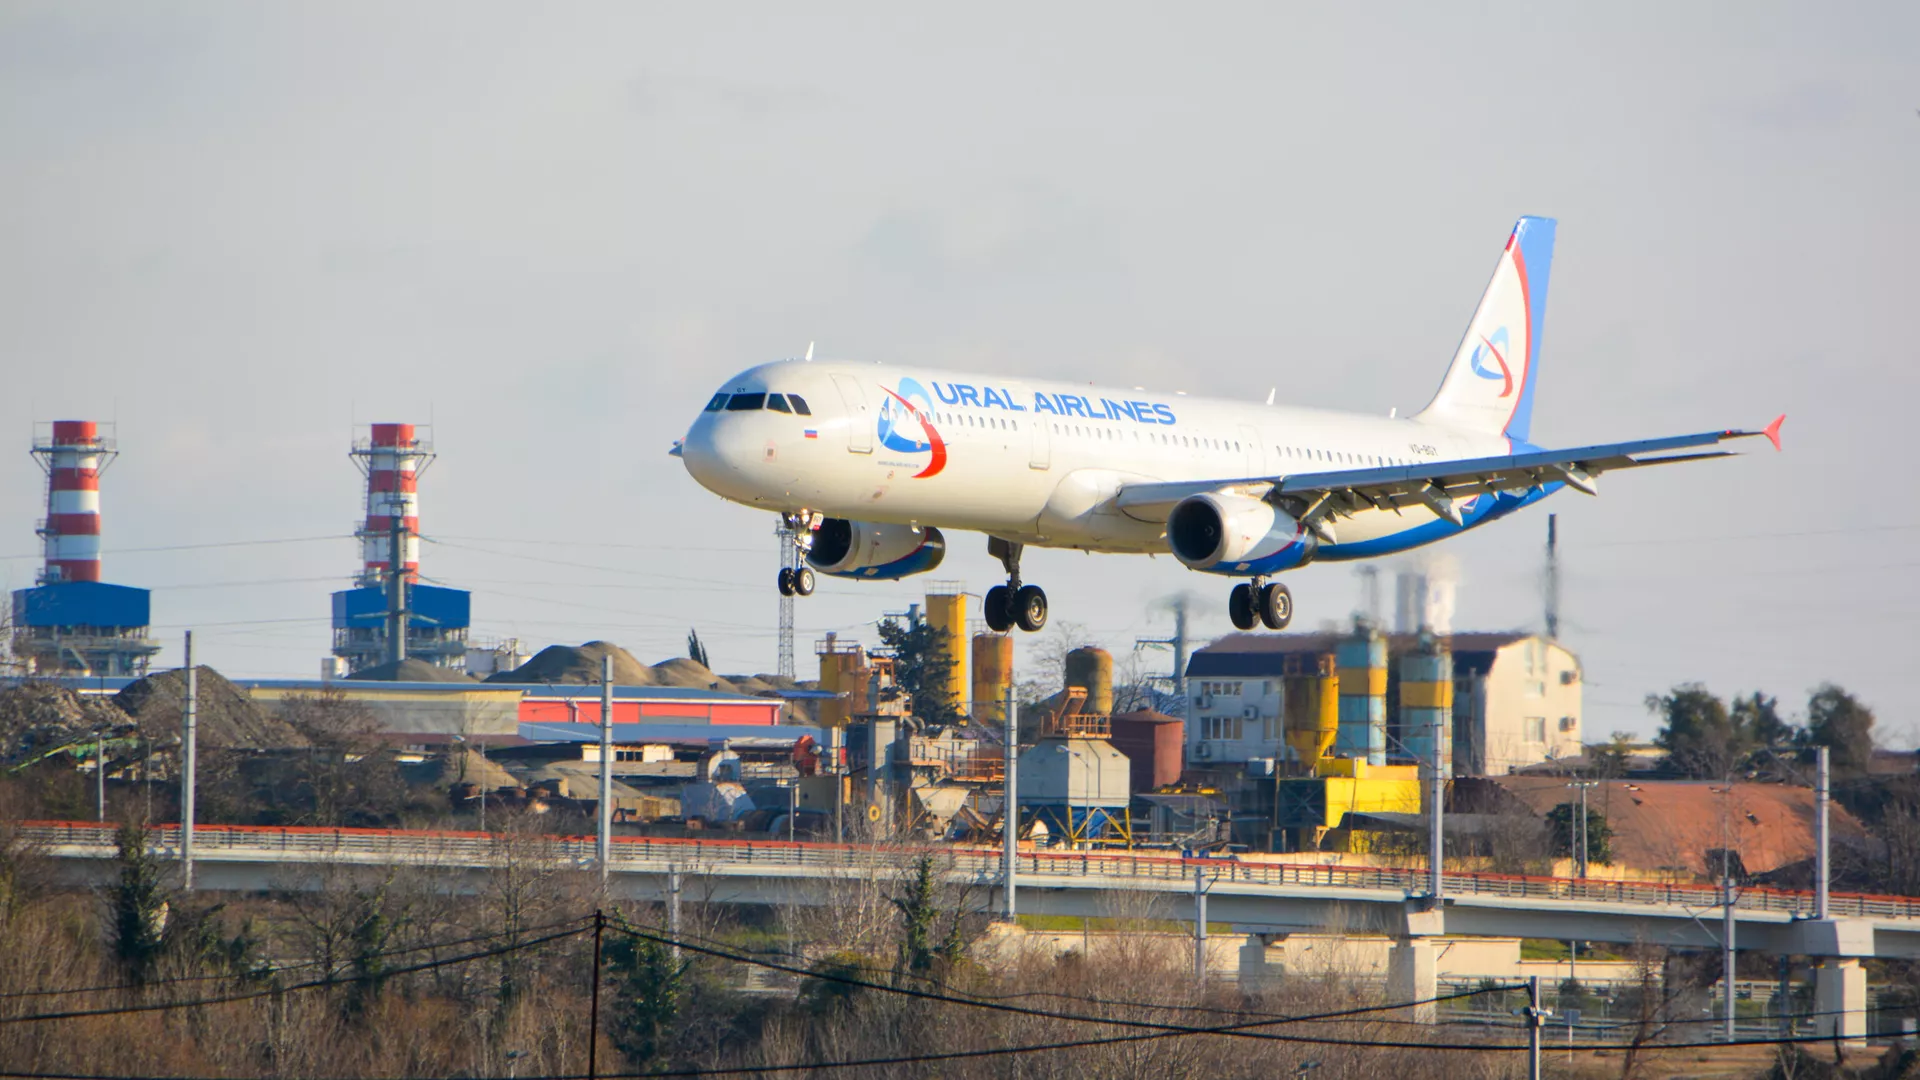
[{"x": 983, "y": 865}]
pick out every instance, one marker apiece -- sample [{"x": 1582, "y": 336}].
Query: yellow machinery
[
  {"x": 992, "y": 674},
  {"x": 947, "y": 614},
  {"x": 1315, "y": 801}
]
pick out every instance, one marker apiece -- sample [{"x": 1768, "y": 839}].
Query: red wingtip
[{"x": 1773, "y": 430}]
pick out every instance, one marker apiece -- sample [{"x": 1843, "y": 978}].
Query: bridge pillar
[
  {"x": 1255, "y": 974},
  {"x": 1840, "y": 1000},
  {"x": 1413, "y": 974}
]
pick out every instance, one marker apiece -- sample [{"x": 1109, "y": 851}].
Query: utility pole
[
  {"x": 1199, "y": 926},
  {"x": 673, "y": 910},
  {"x": 1436, "y": 849},
  {"x": 1553, "y": 577},
  {"x": 1536, "y": 1020},
  {"x": 1726, "y": 885},
  {"x": 396, "y": 582},
  {"x": 99, "y": 774},
  {"x": 603, "y": 846},
  {"x": 1822, "y": 799},
  {"x": 1010, "y": 800},
  {"x": 189, "y": 737}
]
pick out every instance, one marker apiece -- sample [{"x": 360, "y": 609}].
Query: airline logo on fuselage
[
  {"x": 906, "y": 422},
  {"x": 990, "y": 397}
]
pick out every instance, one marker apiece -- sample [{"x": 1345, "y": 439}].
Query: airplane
[{"x": 867, "y": 464}]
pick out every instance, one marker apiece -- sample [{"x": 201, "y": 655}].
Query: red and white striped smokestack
[
  {"x": 72, "y": 457},
  {"x": 393, "y": 460}
]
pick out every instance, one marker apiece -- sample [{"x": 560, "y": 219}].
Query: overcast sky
[{"x": 240, "y": 231}]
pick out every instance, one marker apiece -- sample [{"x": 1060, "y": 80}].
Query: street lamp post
[{"x": 1578, "y": 840}]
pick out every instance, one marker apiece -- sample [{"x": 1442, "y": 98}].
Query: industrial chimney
[{"x": 73, "y": 456}]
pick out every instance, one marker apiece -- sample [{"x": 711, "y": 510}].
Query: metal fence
[{"x": 246, "y": 843}]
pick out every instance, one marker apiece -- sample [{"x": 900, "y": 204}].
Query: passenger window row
[{"x": 786, "y": 403}]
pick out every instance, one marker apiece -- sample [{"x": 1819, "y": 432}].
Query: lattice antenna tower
[{"x": 788, "y": 555}]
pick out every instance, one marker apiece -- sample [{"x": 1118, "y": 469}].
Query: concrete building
[{"x": 1516, "y": 698}]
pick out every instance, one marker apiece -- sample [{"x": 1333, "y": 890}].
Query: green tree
[
  {"x": 697, "y": 650},
  {"x": 1611, "y": 758},
  {"x": 648, "y": 986},
  {"x": 1836, "y": 719},
  {"x": 1759, "y": 716},
  {"x": 919, "y": 658},
  {"x": 1561, "y": 826},
  {"x": 923, "y": 944},
  {"x": 1702, "y": 739},
  {"x": 137, "y": 905}
]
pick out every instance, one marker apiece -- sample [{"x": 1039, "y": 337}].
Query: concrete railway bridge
[{"x": 1260, "y": 898}]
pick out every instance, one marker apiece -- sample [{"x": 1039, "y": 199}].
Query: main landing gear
[
  {"x": 1013, "y": 604},
  {"x": 1263, "y": 602},
  {"x": 796, "y": 577},
  {"x": 796, "y": 581}
]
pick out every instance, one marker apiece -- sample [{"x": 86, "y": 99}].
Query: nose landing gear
[
  {"x": 796, "y": 538},
  {"x": 1267, "y": 603},
  {"x": 1013, "y": 604}
]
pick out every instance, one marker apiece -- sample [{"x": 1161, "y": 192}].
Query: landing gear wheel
[
  {"x": 998, "y": 609},
  {"x": 1030, "y": 608},
  {"x": 1240, "y": 607},
  {"x": 1276, "y": 606},
  {"x": 803, "y": 581},
  {"x": 786, "y": 581}
]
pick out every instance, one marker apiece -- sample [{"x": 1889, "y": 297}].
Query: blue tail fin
[{"x": 1489, "y": 388}]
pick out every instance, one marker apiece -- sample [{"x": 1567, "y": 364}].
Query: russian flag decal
[{"x": 811, "y": 433}]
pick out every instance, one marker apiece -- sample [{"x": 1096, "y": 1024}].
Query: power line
[
  {"x": 331, "y": 980},
  {"x": 280, "y": 968},
  {"x": 201, "y": 547},
  {"x": 1241, "y": 1030}
]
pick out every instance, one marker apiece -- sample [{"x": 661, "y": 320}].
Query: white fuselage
[{"x": 1037, "y": 462}]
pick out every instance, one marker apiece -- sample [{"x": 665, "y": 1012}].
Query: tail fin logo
[{"x": 1496, "y": 347}]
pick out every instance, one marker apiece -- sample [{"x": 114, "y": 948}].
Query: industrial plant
[{"x": 73, "y": 623}]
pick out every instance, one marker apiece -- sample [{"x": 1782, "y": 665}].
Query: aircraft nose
[{"x": 716, "y": 454}]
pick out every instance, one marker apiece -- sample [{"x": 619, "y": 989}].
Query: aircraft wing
[{"x": 1436, "y": 485}]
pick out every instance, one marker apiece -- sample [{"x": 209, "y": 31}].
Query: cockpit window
[
  {"x": 799, "y": 404},
  {"x": 747, "y": 402},
  {"x": 777, "y": 403},
  {"x": 719, "y": 402}
]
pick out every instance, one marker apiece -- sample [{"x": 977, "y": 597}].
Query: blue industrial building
[
  {"x": 437, "y": 622},
  {"x": 83, "y": 628}
]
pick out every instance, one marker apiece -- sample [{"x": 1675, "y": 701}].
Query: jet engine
[
  {"x": 864, "y": 549},
  {"x": 1232, "y": 534}
]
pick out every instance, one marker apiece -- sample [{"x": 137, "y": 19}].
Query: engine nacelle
[
  {"x": 862, "y": 549},
  {"x": 1232, "y": 534}
]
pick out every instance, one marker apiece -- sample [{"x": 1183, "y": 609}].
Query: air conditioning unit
[
  {"x": 1204, "y": 701},
  {"x": 1251, "y": 712},
  {"x": 1203, "y": 750}
]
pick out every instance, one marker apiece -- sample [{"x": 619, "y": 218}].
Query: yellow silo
[
  {"x": 1310, "y": 693},
  {"x": 1091, "y": 669},
  {"x": 992, "y": 674},
  {"x": 842, "y": 671},
  {"x": 947, "y": 614}
]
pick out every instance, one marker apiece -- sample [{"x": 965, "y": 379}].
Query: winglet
[{"x": 1773, "y": 430}]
